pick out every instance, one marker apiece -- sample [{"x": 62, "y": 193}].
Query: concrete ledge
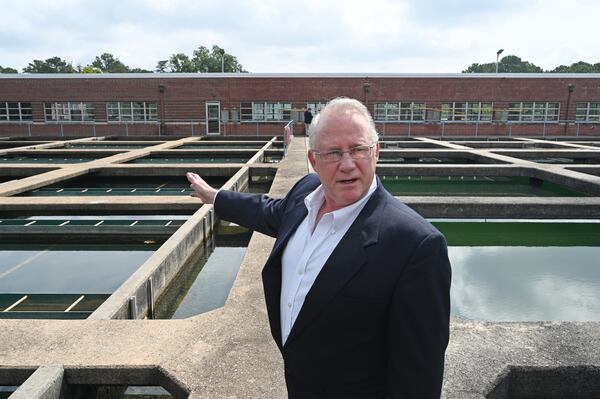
[
  {"x": 45, "y": 383},
  {"x": 521, "y": 382},
  {"x": 505, "y": 207},
  {"x": 158, "y": 270}
]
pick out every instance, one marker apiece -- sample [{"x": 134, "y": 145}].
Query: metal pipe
[
  {"x": 132, "y": 308},
  {"x": 150, "y": 298}
]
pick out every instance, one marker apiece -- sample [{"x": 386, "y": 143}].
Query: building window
[
  {"x": 403, "y": 112},
  {"x": 69, "y": 112},
  {"x": 265, "y": 111},
  {"x": 533, "y": 112},
  {"x": 132, "y": 111},
  {"x": 315, "y": 108},
  {"x": 588, "y": 112},
  {"x": 467, "y": 111},
  {"x": 15, "y": 111}
]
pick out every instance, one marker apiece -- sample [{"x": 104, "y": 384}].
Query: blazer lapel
[
  {"x": 345, "y": 261},
  {"x": 271, "y": 273}
]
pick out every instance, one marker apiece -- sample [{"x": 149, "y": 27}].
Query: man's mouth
[{"x": 348, "y": 181}]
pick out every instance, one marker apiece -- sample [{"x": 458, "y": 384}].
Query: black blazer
[{"x": 375, "y": 323}]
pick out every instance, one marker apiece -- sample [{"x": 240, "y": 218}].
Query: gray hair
[{"x": 344, "y": 105}]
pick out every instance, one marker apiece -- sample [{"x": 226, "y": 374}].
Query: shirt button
[{"x": 289, "y": 304}]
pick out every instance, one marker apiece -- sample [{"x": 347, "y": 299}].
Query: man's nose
[{"x": 347, "y": 162}]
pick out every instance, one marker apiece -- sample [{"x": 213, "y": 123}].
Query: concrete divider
[
  {"x": 45, "y": 383},
  {"x": 134, "y": 298}
]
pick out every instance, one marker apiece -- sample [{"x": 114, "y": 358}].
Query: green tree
[
  {"x": 51, "y": 65},
  {"x": 578, "y": 67},
  {"x": 181, "y": 63},
  {"x": 202, "y": 60},
  {"x": 107, "y": 63},
  {"x": 139, "y": 70},
  {"x": 90, "y": 69},
  {"x": 508, "y": 64},
  {"x": 8, "y": 70},
  {"x": 210, "y": 61},
  {"x": 162, "y": 66}
]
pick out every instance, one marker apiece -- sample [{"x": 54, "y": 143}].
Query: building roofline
[{"x": 302, "y": 75}]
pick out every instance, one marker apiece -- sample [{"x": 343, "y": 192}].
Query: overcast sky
[{"x": 412, "y": 36}]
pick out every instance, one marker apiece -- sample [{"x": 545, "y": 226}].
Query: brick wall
[{"x": 181, "y": 100}]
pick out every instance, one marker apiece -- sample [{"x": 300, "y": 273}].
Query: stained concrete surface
[{"x": 228, "y": 352}]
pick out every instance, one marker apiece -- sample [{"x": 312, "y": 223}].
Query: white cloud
[{"x": 304, "y": 36}]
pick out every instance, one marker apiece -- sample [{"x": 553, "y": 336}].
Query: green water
[
  {"x": 385, "y": 160},
  {"x": 566, "y": 160},
  {"x": 512, "y": 186},
  {"x": 190, "y": 160},
  {"x": 253, "y": 146},
  {"x": 520, "y": 234},
  {"x": 108, "y": 146},
  {"x": 109, "y": 186},
  {"x": 205, "y": 280},
  {"x": 68, "y": 269},
  {"x": 524, "y": 271},
  {"x": 24, "y": 159},
  {"x": 499, "y": 283},
  {"x": 6, "y": 391},
  {"x": 126, "y": 185}
]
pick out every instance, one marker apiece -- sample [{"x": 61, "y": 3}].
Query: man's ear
[
  {"x": 377, "y": 151},
  {"x": 311, "y": 159}
]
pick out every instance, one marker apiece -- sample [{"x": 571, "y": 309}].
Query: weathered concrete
[
  {"x": 45, "y": 383},
  {"x": 228, "y": 352}
]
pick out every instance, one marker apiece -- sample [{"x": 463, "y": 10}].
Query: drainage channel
[{"x": 204, "y": 282}]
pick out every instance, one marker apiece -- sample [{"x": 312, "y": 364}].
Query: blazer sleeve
[
  {"x": 419, "y": 323},
  {"x": 260, "y": 212}
]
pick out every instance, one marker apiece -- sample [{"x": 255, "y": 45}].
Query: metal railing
[
  {"x": 473, "y": 128},
  {"x": 197, "y": 127}
]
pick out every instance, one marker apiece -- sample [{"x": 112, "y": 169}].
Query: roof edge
[{"x": 365, "y": 75}]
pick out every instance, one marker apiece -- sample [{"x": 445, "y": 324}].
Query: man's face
[{"x": 348, "y": 180}]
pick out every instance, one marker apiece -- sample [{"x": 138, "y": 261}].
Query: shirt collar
[{"x": 315, "y": 199}]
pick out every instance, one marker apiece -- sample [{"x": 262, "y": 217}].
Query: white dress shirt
[{"x": 309, "y": 248}]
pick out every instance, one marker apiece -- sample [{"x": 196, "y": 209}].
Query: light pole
[
  {"x": 222, "y": 60},
  {"x": 498, "y": 57}
]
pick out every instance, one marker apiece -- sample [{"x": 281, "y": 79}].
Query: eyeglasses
[{"x": 358, "y": 152}]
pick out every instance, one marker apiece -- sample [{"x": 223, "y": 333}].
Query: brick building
[{"x": 261, "y": 104}]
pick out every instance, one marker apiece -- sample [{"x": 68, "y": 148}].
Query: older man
[{"x": 357, "y": 284}]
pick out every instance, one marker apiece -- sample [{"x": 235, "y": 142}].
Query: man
[
  {"x": 308, "y": 117},
  {"x": 357, "y": 284}
]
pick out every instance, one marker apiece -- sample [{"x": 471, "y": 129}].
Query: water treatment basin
[
  {"x": 489, "y": 186},
  {"x": 63, "y": 281},
  {"x": 510, "y": 270},
  {"x": 122, "y": 185}
]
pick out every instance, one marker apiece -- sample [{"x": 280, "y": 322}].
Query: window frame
[
  {"x": 7, "y": 114},
  {"x": 533, "y": 112},
  {"x": 265, "y": 111},
  {"x": 69, "y": 112},
  {"x": 315, "y": 106},
  {"x": 399, "y": 112},
  {"x": 467, "y": 112},
  {"x": 588, "y": 116},
  {"x": 132, "y": 112}
]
